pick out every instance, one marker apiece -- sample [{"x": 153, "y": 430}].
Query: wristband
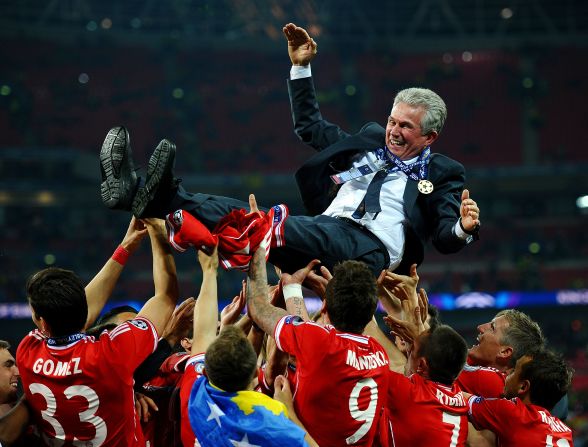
[
  {"x": 291, "y": 291},
  {"x": 120, "y": 255}
]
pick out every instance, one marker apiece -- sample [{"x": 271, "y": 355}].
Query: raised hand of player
[
  {"x": 298, "y": 276},
  {"x": 231, "y": 311},
  {"x": 469, "y": 212},
  {"x": 402, "y": 287},
  {"x": 136, "y": 232},
  {"x": 424, "y": 306},
  {"x": 208, "y": 263},
  {"x": 318, "y": 283},
  {"x": 301, "y": 47},
  {"x": 407, "y": 330},
  {"x": 180, "y": 323}
]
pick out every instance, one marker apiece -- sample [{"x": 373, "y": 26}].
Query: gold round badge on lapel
[{"x": 425, "y": 187}]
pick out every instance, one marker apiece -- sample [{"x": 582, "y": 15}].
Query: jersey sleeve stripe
[
  {"x": 195, "y": 359},
  {"x": 277, "y": 331},
  {"x": 470, "y": 403}
]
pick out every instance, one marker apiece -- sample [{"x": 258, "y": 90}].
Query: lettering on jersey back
[
  {"x": 555, "y": 424},
  {"x": 49, "y": 367},
  {"x": 452, "y": 401},
  {"x": 370, "y": 361}
]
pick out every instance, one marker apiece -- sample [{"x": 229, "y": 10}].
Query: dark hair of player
[
  {"x": 58, "y": 296},
  {"x": 445, "y": 351},
  {"x": 230, "y": 361},
  {"x": 351, "y": 296},
  {"x": 550, "y": 377}
]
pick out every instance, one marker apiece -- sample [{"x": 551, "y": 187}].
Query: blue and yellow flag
[{"x": 241, "y": 419}]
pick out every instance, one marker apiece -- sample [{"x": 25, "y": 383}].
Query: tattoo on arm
[
  {"x": 263, "y": 313},
  {"x": 296, "y": 306}
]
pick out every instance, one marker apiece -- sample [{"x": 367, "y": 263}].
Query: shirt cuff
[
  {"x": 459, "y": 232},
  {"x": 300, "y": 71}
]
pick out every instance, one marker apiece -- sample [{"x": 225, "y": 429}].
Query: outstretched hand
[
  {"x": 469, "y": 212},
  {"x": 299, "y": 276},
  {"x": 135, "y": 234},
  {"x": 301, "y": 47},
  {"x": 318, "y": 283}
]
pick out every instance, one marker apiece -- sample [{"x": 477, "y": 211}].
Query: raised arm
[
  {"x": 292, "y": 290},
  {"x": 100, "y": 288},
  {"x": 159, "y": 308},
  {"x": 206, "y": 308},
  {"x": 264, "y": 314},
  {"x": 309, "y": 124}
]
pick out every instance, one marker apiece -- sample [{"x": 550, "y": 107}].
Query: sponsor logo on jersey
[{"x": 139, "y": 324}]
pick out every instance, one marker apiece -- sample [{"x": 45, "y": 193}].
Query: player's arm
[
  {"x": 264, "y": 314},
  {"x": 100, "y": 288},
  {"x": 206, "y": 308},
  {"x": 283, "y": 393},
  {"x": 159, "y": 308},
  {"x": 396, "y": 358},
  {"x": 291, "y": 286},
  {"x": 13, "y": 423}
]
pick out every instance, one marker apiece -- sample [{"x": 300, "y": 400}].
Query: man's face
[
  {"x": 488, "y": 347},
  {"x": 8, "y": 377},
  {"x": 512, "y": 385},
  {"x": 403, "y": 132}
]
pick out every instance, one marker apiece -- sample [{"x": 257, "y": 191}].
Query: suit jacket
[{"x": 431, "y": 216}]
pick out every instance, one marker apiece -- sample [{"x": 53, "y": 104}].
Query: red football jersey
[
  {"x": 339, "y": 375},
  {"x": 80, "y": 389},
  {"x": 157, "y": 430},
  {"x": 423, "y": 412},
  {"x": 481, "y": 381},
  {"x": 517, "y": 424},
  {"x": 193, "y": 371}
]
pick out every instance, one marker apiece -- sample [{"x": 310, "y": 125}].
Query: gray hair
[
  {"x": 431, "y": 102},
  {"x": 522, "y": 334},
  {"x": 4, "y": 345}
]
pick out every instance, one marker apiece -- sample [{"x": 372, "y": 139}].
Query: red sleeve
[
  {"x": 301, "y": 338},
  {"x": 491, "y": 414},
  {"x": 194, "y": 369},
  {"x": 130, "y": 342},
  {"x": 485, "y": 382}
]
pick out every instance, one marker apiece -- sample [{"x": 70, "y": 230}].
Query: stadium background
[{"x": 210, "y": 75}]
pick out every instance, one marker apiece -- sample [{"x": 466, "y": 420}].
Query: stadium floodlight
[{"x": 582, "y": 202}]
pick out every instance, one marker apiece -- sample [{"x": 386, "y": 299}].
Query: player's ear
[
  {"x": 524, "y": 387},
  {"x": 422, "y": 367},
  {"x": 505, "y": 353}
]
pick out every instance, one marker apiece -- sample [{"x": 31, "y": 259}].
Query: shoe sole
[
  {"x": 161, "y": 161},
  {"x": 112, "y": 155}
]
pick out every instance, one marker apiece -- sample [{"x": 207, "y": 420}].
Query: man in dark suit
[
  {"x": 416, "y": 204},
  {"x": 376, "y": 196}
]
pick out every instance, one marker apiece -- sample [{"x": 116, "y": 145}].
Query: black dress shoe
[
  {"x": 153, "y": 199},
  {"x": 119, "y": 179}
]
